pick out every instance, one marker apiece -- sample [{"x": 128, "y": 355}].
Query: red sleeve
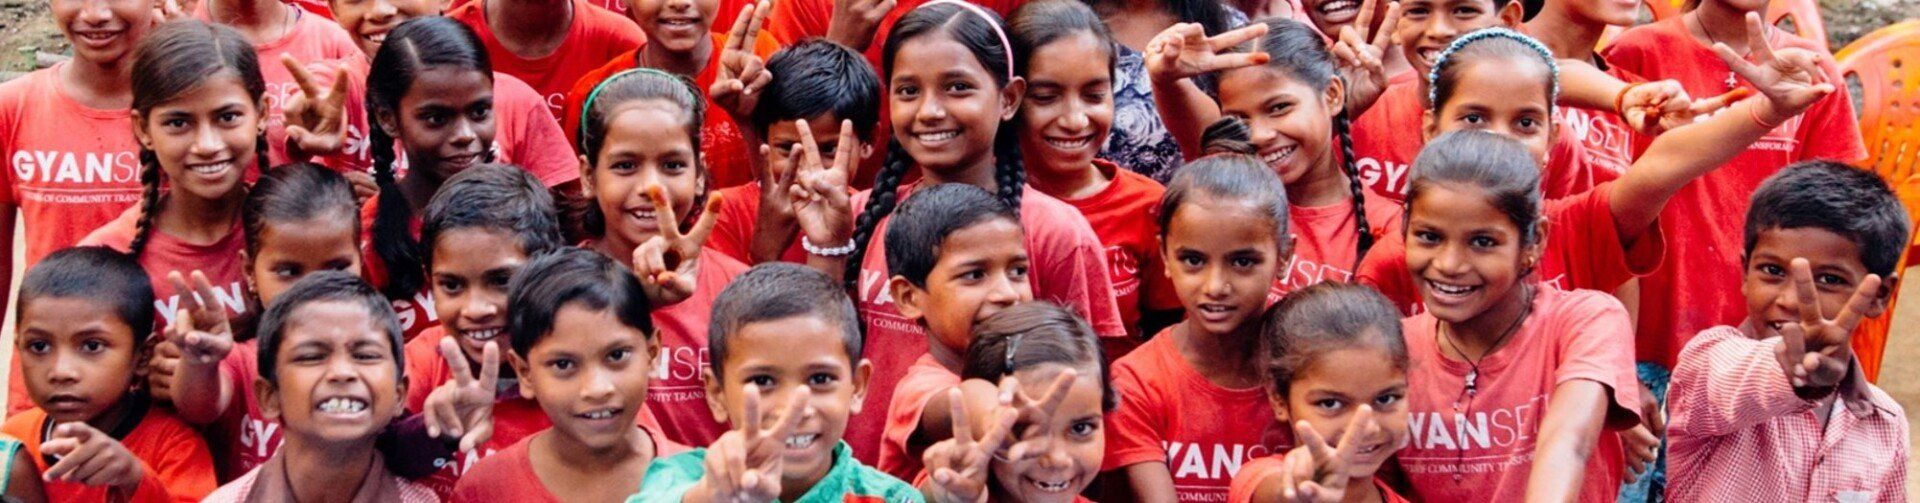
[
  {"x": 1582, "y": 237},
  {"x": 794, "y": 20},
  {"x": 1133, "y": 432},
  {"x": 1385, "y": 269},
  {"x": 733, "y": 226},
  {"x": 1594, "y": 342},
  {"x": 1075, "y": 273},
  {"x": 910, "y": 399},
  {"x": 11, "y": 95},
  {"x": 541, "y": 148},
  {"x": 1829, "y": 129},
  {"x": 425, "y": 368},
  {"x": 177, "y": 463}
]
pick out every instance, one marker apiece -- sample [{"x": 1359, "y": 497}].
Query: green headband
[{"x": 586, "y": 108}]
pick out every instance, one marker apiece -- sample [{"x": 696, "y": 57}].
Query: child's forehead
[
  {"x": 1820, "y": 246},
  {"x": 73, "y": 311},
  {"x": 798, "y": 340}
]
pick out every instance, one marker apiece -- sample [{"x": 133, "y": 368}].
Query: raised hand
[
  {"x": 668, "y": 263},
  {"x": 958, "y": 467},
  {"x": 854, "y": 22},
  {"x": 1315, "y": 472},
  {"x": 1184, "y": 51},
  {"x": 1361, "y": 52},
  {"x": 1651, "y": 108},
  {"x": 161, "y": 368},
  {"x": 200, "y": 329},
  {"x": 742, "y": 73},
  {"x": 463, "y": 408},
  {"x": 1816, "y": 352},
  {"x": 316, "y": 118},
  {"x": 1790, "y": 78},
  {"x": 817, "y": 192},
  {"x": 90, "y": 457},
  {"x": 744, "y": 465}
]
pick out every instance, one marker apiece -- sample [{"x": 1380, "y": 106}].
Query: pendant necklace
[
  {"x": 1731, "y": 81},
  {"x": 1463, "y": 403}
]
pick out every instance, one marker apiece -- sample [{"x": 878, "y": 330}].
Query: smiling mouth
[
  {"x": 482, "y": 335},
  {"x": 680, "y": 23},
  {"x": 1071, "y": 144},
  {"x": 376, "y": 37},
  {"x": 1449, "y": 291},
  {"x": 1277, "y": 157},
  {"x": 802, "y": 441},
  {"x": 936, "y": 137},
  {"x": 97, "y": 36},
  {"x": 1050, "y": 486},
  {"x": 1337, "y": 8},
  {"x": 210, "y": 169},
  {"x": 599, "y": 415},
  {"x": 342, "y": 405}
]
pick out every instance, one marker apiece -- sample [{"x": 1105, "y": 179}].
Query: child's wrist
[{"x": 1766, "y": 115}]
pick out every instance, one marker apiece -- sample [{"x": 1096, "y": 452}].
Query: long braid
[
  {"x": 1009, "y": 173},
  {"x": 260, "y": 159},
  {"x": 880, "y": 203},
  {"x": 1343, "y": 129},
  {"x": 149, "y": 200},
  {"x": 393, "y": 241}
]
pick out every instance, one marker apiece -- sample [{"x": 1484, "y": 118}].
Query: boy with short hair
[
  {"x": 786, "y": 347},
  {"x": 1777, "y": 409}
]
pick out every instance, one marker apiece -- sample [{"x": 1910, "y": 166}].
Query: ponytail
[{"x": 392, "y": 234}]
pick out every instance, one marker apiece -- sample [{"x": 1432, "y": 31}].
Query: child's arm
[
  {"x": 819, "y": 201},
  {"x": 204, "y": 338},
  {"x": 1575, "y": 415},
  {"x": 89, "y": 457},
  {"x": 1185, "y": 51},
  {"x": 744, "y": 465},
  {"x": 1360, "y": 57},
  {"x": 23, "y": 477},
  {"x": 1650, "y": 108},
  {"x": 854, "y": 23}
]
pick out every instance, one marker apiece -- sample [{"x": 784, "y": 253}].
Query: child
[
  {"x": 641, "y": 134},
  {"x": 822, "y": 84},
  {"x": 84, "y": 316},
  {"x": 679, "y": 42},
  {"x": 1499, "y": 351},
  {"x": 583, "y": 346},
  {"x": 1681, "y": 302},
  {"x": 1783, "y": 393},
  {"x": 1572, "y": 28},
  {"x": 548, "y": 44},
  {"x": 786, "y": 353},
  {"x": 956, "y": 257},
  {"x": 952, "y": 90},
  {"x": 1033, "y": 349},
  {"x": 331, "y": 377},
  {"x": 282, "y": 35},
  {"x": 1191, "y": 405},
  {"x": 1336, "y": 367},
  {"x": 1066, "y": 55}
]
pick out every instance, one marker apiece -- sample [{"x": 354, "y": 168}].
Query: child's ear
[
  {"x": 909, "y": 299},
  {"x": 1513, "y": 15},
  {"x": 1010, "y": 97},
  {"x": 1335, "y": 99},
  {"x": 387, "y": 122},
  {"x": 520, "y": 368},
  {"x": 400, "y": 390},
  {"x": 862, "y": 374},
  {"x": 246, "y": 270},
  {"x": 268, "y": 397},
  {"x": 1532, "y": 253},
  {"x": 586, "y": 177},
  {"x": 1887, "y": 288},
  {"x": 716, "y": 395},
  {"x": 140, "y": 132},
  {"x": 1279, "y": 405},
  {"x": 1429, "y": 125},
  {"x": 1286, "y": 250}
]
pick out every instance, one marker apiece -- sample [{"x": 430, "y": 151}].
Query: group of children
[{"x": 800, "y": 250}]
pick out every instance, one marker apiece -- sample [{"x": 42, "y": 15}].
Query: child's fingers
[
  {"x": 1757, "y": 38},
  {"x": 478, "y": 435},
  {"x": 1238, "y": 60},
  {"x": 750, "y": 403},
  {"x": 1793, "y": 343},
  {"x": 456, "y": 362},
  {"x": 962, "y": 423},
  {"x": 757, "y": 21},
  {"x": 1803, "y": 289},
  {"x": 737, "y": 32},
  {"x": 1310, "y": 439},
  {"x": 664, "y": 217},
  {"x": 809, "y": 148},
  {"x": 1383, "y": 39},
  {"x": 1233, "y": 38},
  {"x": 789, "y": 417},
  {"x": 1056, "y": 393},
  {"x": 1861, "y": 302},
  {"x": 1734, "y": 62},
  {"x": 184, "y": 290},
  {"x": 301, "y": 76},
  {"x": 1357, "y": 429},
  {"x": 844, "y": 151},
  {"x": 703, "y": 226},
  {"x": 1363, "y": 22},
  {"x": 206, "y": 302},
  {"x": 490, "y": 366}
]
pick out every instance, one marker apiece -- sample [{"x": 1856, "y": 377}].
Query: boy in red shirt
[
  {"x": 572, "y": 38},
  {"x": 84, "y": 318}
]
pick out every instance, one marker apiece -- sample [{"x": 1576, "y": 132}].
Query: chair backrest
[
  {"x": 1805, "y": 15},
  {"x": 1663, "y": 9},
  {"x": 1885, "y": 65}
]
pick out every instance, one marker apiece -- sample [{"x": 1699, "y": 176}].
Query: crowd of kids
[{"x": 942, "y": 250}]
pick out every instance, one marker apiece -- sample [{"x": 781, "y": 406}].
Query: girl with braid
[{"x": 952, "y": 90}]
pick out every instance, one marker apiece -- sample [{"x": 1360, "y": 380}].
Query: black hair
[
  {"x": 494, "y": 197},
  {"x": 982, "y": 33},
  {"x": 96, "y": 273},
  {"x": 1229, "y": 171},
  {"x": 1498, "y": 166},
  {"x": 413, "y": 47},
  {"x": 1038, "y": 23},
  {"x": 1213, "y": 16},
  {"x": 924, "y": 222},
  {"x": 1325, "y": 317},
  {"x": 296, "y": 193},
  {"x": 776, "y": 291},
  {"x": 572, "y": 276},
  {"x": 325, "y": 286},
  {"x": 816, "y": 77},
  {"x": 1854, "y": 203},
  {"x": 1036, "y": 333},
  {"x": 1298, "y": 51},
  {"x": 637, "y": 85},
  {"x": 176, "y": 59},
  {"x": 1502, "y": 43}
]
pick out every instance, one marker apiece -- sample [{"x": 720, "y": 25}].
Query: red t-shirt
[
  {"x": 1125, "y": 215},
  {"x": 69, "y": 168},
  {"x": 174, "y": 459},
  {"x": 1170, "y": 413},
  {"x": 677, "y": 395},
  {"x": 722, "y": 146},
  {"x": 1387, "y": 137},
  {"x": 509, "y": 473},
  {"x": 1709, "y": 214},
  {"x": 595, "y": 37},
  {"x": 1481, "y": 447},
  {"x": 1257, "y": 471},
  {"x": 1583, "y": 251},
  {"x": 1326, "y": 242},
  {"x": 722, "y": 22},
  {"x": 794, "y": 20},
  {"x": 1068, "y": 267},
  {"x": 416, "y": 312},
  {"x": 319, "y": 43},
  {"x": 925, "y": 380},
  {"x": 733, "y": 226},
  {"x": 242, "y": 437}
]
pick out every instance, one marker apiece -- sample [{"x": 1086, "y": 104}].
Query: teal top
[
  {"x": 8, "y": 447},
  {"x": 669, "y": 479}
]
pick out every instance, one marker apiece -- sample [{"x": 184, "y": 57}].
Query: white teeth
[
  {"x": 1215, "y": 308},
  {"x": 1052, "y": 487},
  {"x": 677, "y": 22},
  {"x": 483, "y": 335},
  {"x": 800, "y": 441},
  {"x": 600, "y": 414},
  {"x": 1451, "y": 289},
  {"x": 1070, "y": 144},
  {"x": 643, "y": 214},
  {"x": 1337, "y": 6},
  {"x": 211, "y": 169},
  {"x": 342, "y": 406},
  {"x": 377, "y": 37},
  {"x": 936, "y": 137},
  {"x": 1279, "y": 156}
]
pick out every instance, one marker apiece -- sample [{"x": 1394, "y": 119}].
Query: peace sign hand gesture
[
  {"x": 1317, "y": 473},
  {"x": 958, "y": 467},
  {"x": 1792, "y": 79},
  {"x": 463, "y": 408},
  {"x": 1361, "y": 53},
  {"x": 316, "y": 118},
  {"x": 1817, "y": 352},
  {"x": 818, "y": 193},
  {"x": 742, "y": 73},
  {"x": 1185, "y": 51},
  {"x": 744, "y": 465},
  {"x": 200, "y": 329},
  {"x": 669, "y": 262}
]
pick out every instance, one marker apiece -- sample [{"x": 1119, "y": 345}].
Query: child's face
[
  {"x": 1326, "y": 393},
  {"x": 945, "y": 107},
  {"x": 339, "y": 381},
  {"x": 589, "y": 375},
  {"x": 471, "y": 267},
  {"x": 1068, "y": 110},
  {"x": 102, "y": 31},
  {"x": 445, "y": 120},
  {"x": 647, "y": 144},
  {"x": 1768, "y": 284},
  {"x": 1465, "y": 254},
  {"x": 1428, "y": 26},
  {"x": 783, "y": 139},
  {"x": 1291, "y": 122},
  {"x": 982, "y": 269},
  {"x": 1611, "y": 12},
  {"x": 679, "y": 26},
  {"x": 1329, "y": 16},
  {"x": 1486, "y": 99},
  {"x": 802, "y": 356},
  {"x": 368, "y": 21},
  {"x": 205, "y": 137},
  {"x": 1069, "y": 444},
  {"x": 77, "y": 356},
  {"x": 1222, "y": 256},
  {"x": 292, "y": 250}
]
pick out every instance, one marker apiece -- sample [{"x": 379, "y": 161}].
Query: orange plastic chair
[{"x": 1886, "y": 64}]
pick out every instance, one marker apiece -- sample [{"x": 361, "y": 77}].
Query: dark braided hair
[
  {"x": 983, "y": 34},
  {"x": 1301, "y": 53},
  {"x": 175, "y": 59}
]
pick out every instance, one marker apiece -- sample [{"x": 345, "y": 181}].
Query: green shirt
[{"x": 669, "y": 479}]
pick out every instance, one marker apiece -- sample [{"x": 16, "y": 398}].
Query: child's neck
[
  {"x": 980, "y": 174},
  {"x": 109, "y": 419},
  {"x": 1361, "y": 490},
  {"x": 530, "y": 28},
  {"x": 572, "y": 470},
  {"x": 1566, "y": 32},
  {"x": 325, "y": 473},
  {"x": 419, "y": 186},
  {"x": 197, "y": 220},
  {"x": 690, "y": 63},
  {"x": 1223, "y": 359},
  {"x": 1323, "y": 185},
  {"x": 261, "y": 21},
  {"x": 573, "y": 456},
  {"x": 105, "y": 86},
  {"x": 1070, "y": 185},
  {"x": 1481, "y": 335},
  {"x": 945, "y": 356},
  {"x": 1717, "y": 22}
]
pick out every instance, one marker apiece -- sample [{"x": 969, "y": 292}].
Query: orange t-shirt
[
  {"x": 1326, "y": 242},
  {"x": 594, "y": 37},
  {"x": 171, "y": 453},
  {"x": 1170, "y": 413},
  {"x": 733, "y": 226},
  {"x": 69, "y": 168},
  {"x": 677, "y": 395},
  {"x": 925, "y": 380},
  {"x": 1125, "y": 215},
  {"x": 314, "y": 41},
  {"x": 1256, "y": 471},
  {"x": 722, "y": 146}
]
